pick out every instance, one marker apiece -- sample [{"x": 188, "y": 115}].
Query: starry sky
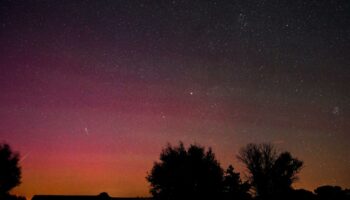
[{"x": 92, "y": 90}]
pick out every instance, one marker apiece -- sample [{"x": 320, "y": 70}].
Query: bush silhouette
[
  {"x": 10, "y": 172},
  {"x": 271, "y": 174},
  {"x": 104, "y": 196}
]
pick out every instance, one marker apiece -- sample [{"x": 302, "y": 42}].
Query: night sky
[{"x": 92, "y": 90}]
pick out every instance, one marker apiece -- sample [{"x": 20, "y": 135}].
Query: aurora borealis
[{"x": 92, "y": 90}]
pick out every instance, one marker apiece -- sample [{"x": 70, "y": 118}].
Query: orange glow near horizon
[
  {"x": 120, "y": 175},
  {"x": 91, "y": 91}
]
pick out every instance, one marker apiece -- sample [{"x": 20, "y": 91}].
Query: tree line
[{"x": 194, "y": 173}]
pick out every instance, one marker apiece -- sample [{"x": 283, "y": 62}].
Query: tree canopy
[
  {"x": 271, "y": 173},
  {"x": 234, "y": 187},
  {"x": 10, "y": 171},
  {"x": 192, "y": 173},
  {"x": 186, "y": 173},
  {"x": 328, "y": 192}
]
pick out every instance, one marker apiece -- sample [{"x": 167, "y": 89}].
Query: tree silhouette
[
  {"x": 234, "y": 188},
  {"x": 192, "y": 173},
  {"x": 284, "y": 172},
  {"x": 328, "y": 192},
  {"x": 300, "y": 194},
  {"x": 10, "y": 172},
  {"x": 271, "y": 174}
]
